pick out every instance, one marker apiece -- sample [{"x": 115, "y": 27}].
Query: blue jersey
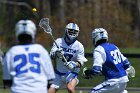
[{"x": 114, "y": 64}]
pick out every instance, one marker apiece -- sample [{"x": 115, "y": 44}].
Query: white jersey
[
  {"x": 29, "y": 67},
  {"x": 72, "y": 52}
]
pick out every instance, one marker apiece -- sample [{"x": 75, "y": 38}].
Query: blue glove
[{"x": 71, "y": 65}]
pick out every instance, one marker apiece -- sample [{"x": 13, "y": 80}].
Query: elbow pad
[{"x": 95, "y": 70}]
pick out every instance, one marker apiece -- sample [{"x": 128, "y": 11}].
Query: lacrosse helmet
[
  {"x": 25, "y": 27},
  {"x": 99, "y": 34},
  {"x": 71, "y": 31}
]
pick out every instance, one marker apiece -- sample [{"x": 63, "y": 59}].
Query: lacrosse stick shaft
[
  {"x": 44, "y": 23},
  {"x": 54, "y": 41},
  {"x": 63, "y": 57}
]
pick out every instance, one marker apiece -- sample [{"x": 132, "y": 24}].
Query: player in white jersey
[
  {"x": 27, "y": 66},
  {"x": 110, "y": 61},
  {"x": 73, "y": 50}
]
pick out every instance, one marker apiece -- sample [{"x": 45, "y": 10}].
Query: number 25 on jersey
[{"x": 27, "y": 63}]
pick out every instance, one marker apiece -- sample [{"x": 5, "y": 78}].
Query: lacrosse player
[
  {"x": 73, "y": 51},
  {"x": 27, "y": 66},
  {"x": 110, "y": 61}
]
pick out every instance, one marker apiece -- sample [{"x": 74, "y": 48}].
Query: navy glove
[{"x": 86, "y": 73}]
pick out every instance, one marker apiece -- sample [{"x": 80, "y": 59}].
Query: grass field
[
  {"x": 62, "y": 91},
  {"x": 135, "y": 82}
]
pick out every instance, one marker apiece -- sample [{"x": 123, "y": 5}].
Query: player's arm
[
  {"x": 56, "y": 52},
  {"x": 88, "y": 73},
  {"x": 99, "y": 59},
  {"x": 49, "y": 70},
  {"x": 80, "y": 59},
  {"x": 130, "y": 70},
  {"x": 52, "y": 52},
  {"x": 7, "y": 80},
  {"x": 72, "y": 65},
  {"x": 7, "y": 83}
]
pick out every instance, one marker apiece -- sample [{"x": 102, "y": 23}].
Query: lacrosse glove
[
  {"x": 71, "y": 65},
  {"x": 86, "y": 73},
  {"x": 130, "y": 72},
  {"x": 59, "y": 53}
]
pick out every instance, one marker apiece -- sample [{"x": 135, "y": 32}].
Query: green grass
[
  {"x": 130, "y": 50},
  {"x": 62, "y": 91},
  {"x": 98, "y": 79},
  {"x": 134, "y": 82}
]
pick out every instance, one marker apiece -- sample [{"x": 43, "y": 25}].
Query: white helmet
[
  {"x": 72, "y": 31},
  {"x": 25, "y": 27},
  {"x": 98, "y": 34}
]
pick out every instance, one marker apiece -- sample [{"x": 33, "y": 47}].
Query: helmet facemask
[{"x": 71, "y": 32}]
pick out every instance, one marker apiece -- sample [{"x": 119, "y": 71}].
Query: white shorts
[
  {"x": 61, "y": 79},
  {"x": 109, "y": 87}
]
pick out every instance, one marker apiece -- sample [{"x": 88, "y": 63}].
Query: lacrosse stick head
[{"x": 44, "y": 23}]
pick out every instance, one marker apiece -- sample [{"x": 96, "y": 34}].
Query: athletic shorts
[
  {"x": 61, "y": 79},
  {"x": 110, "y": 87}
]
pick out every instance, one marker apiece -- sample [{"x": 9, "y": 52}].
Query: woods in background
[{"x": 120, "y": 17}]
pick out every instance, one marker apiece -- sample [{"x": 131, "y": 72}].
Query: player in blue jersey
[
  {"x": 111, "y": 63},
  {"x": 73, "y": 50},
  {"x": 27, "y": 66}
]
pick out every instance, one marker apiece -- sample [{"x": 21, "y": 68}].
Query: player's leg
[
  {"x": 125, "y": 91},
  {"x": 52, "y": 90},
  {"x": 106, "y": 87},
  {"x": 122, "y": 87},
  {"x": 56, "y": 83},
  {"x": 71, "y": 81},
  {"x": 71, "y": 86}
]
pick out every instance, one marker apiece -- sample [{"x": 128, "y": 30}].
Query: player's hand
[
  {"x": 71, "y": 65},
  {"x": 130, "y": 72},
  {"x": 86, "y": 73},
  {"x": 59, "y": 53}
]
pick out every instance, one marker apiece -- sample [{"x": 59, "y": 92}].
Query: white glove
[
  {"x": 130, "y": 72},
  {"x": 52, "y": 54},
  {"x": 71, "y": 65},
  {"x": 59, "y": 53}
]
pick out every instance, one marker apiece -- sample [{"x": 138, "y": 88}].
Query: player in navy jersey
[
  {"x": 73, "y": 50},
  {"x": 27, "y": 66},
  {"x": 111, "y": 63}
]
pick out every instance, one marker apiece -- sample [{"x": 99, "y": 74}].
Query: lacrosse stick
[{"x": 44, "y": 23}]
